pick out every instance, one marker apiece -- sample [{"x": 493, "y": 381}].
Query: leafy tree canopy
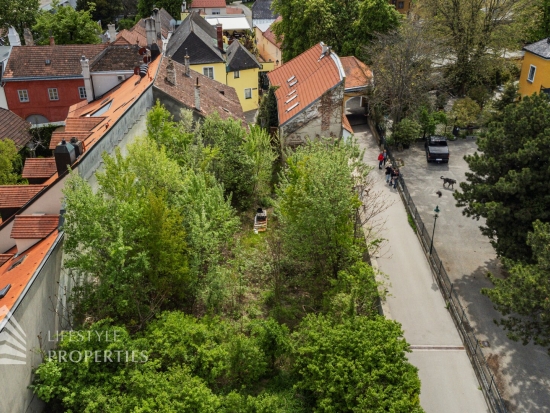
[
  {"x": 465, "y": 112},
  {"x": 524, "y": 296},
  {"x": 508, "y": 184},
  {"x": 9, "y": 159},
  {"x": 345, "y": 26},
  {"x": 145, "y": 7},
  {"x": 407, "y": 131},
  {"x": 19, "y": 14},
  {"x": 67, "y": 25},
  {"x": 105, "y": 11}
]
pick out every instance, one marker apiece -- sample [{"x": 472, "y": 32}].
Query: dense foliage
[
  {"x": 508, "y": 183},
  {"x": 345, "y": 26},
  {"x": 145, "y": 7},
  {"x": 523, "y": 297},
  {"x": 67, "y": 26},
  {"x": 9, "y": 162},
  {"x": 19, "y": 14}
]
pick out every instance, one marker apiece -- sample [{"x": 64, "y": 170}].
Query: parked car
[{"x": 437, "y": 149}]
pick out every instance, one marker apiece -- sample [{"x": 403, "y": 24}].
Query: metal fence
[{"x": 471, "y": 343}]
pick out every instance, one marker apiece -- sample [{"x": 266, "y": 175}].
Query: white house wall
[{"x": 105, "y": 82}]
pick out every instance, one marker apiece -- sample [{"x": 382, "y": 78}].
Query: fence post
[{"x": 451, "y": 292}]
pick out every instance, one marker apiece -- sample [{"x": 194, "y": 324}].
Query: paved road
[
  {"x": 449, "y": 383},
  {"x": 523, "y": 372}
]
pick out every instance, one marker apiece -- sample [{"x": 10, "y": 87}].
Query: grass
[{"x": 411, "y": 222}]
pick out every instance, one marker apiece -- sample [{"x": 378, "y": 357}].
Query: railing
[{"x": 471, "y": 343}]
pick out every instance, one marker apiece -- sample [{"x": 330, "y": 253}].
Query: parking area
[{"x": 523, "y": 372}]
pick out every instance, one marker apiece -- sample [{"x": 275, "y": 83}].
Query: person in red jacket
[{"x": 380, "y": 160}]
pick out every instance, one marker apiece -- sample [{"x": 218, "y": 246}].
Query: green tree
[
  {"x": 104, "y": 10},
  {"x": 350, "y": 365},
  {"x": 267, "y": 112},
  {"x": 19, "y": 14},
  {"x": 507, "y": 185},
  {"x": 67, "y": 25},
  {"x": 317, "y": 205},
  {"x": 9, "y": 160},
  {"x": 523, "y": 297},
  {"x": 306, "y": 23},
  {"x": 145, "y": 7},
  {"x": 407, "y": 131},
  {"x": 126, "y": 245},
  {"x": 258, "y": 148},
  {"x": 465, "y": 112}
]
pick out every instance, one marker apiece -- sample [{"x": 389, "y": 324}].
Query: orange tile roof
[
  {"x": 216, "y": 4},
  {"x": 4, "y": 258},
  {"x": 308, "y": 76},
  {"x": 358, "y": 74},
  {"x": 57, "y": 137},
  {"x": 34, "y": 226},
  {"x": 82, "y": 124},
  {"x": 19, "y": 276},
  {"x": 15, "y": 196},
  {"x": 233, "y": 10},
  {"x": 130, "y": 37},
  {"x": 39, "y": 168},
  {"x": 270, "y": 35},
  {"x": 345, "y": 123}
]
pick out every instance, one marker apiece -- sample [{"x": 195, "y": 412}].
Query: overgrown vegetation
[{"x": 219, "y": 318}]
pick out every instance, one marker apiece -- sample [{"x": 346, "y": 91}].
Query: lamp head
[{"x": 437, "y": 210}]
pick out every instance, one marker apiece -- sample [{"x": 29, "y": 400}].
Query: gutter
[{"x": 27, "y": 79}]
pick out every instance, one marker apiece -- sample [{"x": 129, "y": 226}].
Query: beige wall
[{"x": 267, "y": 50}]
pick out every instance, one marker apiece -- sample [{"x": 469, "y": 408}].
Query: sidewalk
[{"x": 448, "y": 380}]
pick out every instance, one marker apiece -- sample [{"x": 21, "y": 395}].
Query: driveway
[{"x": 523, "y": 372}]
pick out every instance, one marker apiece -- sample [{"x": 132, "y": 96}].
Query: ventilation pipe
[
  {"x": 85, "y": 63},
  {"x": 198, "y": 96},
  {"x": 112, "y": 32}
]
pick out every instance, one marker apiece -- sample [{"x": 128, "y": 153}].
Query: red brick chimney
[
  {"x": 219, "y": 35},
  {"x": 52, "y": 41}
]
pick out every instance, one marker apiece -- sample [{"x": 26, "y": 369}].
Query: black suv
[{"x": 437, "y": 149}]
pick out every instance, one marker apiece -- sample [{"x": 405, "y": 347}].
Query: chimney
[
  {"x": 64, "y": 155},
  {"x": 219, "y": 35},
  {"x": 13, "y": 37},
  {"x": 198, "y": 96},
  {"x": 150, "y": 30},
  {"x": 186, "y": 64},
  {"x": 52, "y": 41},
  {"x": 171, "y": 73},
  {"x": 156, "y": 16},
  {"x": 78, "y": 147},
  {"x": 27, "y": 35},
  {"x": 112, "y": 32},
  {"x": 85, "y": 63}
]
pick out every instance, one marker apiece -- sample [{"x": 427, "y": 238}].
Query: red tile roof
[
  {"x": 214, "y": 96},
  {"x": 57, "y": 137},
  {"x": 15, "y": 196},
  {"x": 4, "y": 258},
  {"x": 82, "y": 124},
  {"x": 30, "y": 61},
  {"x": 39, "y": 168},
  {"x": 130, "y": 37},
  {"x": 15, "y": 128},
  {"x": 34, "y": 226},
  {"x": 270, "y": 35},
  {"x": 233, "y": 10},
  {"x": 308, "y": 76},
  {"x": 358, "y": 74},
  {"x": 202, "y": 4}
]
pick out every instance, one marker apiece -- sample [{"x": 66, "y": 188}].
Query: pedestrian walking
[
  {"x": 380, "y": 160},
  {"x": 388, "y": 172},
  {"x": 385, "y": 156},
  {"x": 395, "y": 178}
]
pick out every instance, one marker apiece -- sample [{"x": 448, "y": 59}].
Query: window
[
  {"x": 531, "y": 75},
  {"x": 216, "y": 11},
  {"x": 82, "y": 92},
  {"x": 248, "y": 93},
  {"x": 236, "y": 74},
  {"x": 401, "y": 5},
  {"x": 208, "y": 71},
  {"x": 23, "y": 95},
  {"x": 52, "y": 93}
]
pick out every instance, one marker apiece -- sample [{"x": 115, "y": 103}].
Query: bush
[{"x": 407, "y": 131}]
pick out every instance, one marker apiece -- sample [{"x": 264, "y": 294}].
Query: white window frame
[
  {"x": 534, "y": 70},
  {"x": 82, "y": 92},
  {"x": 236, "y": 74},
  {"x": 53, "y": 94},
  {"x": 206, "y": 69},
  {"x": 23, "y": 95},
  {"x": 249, "y": 89},
  {"x": 216, "y": 11}
]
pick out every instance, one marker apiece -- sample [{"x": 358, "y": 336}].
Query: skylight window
[
  {"x": 291, "y": 92},
  {"x": 291, "y": 99},
  {"x": 101, "y": 110},
  {"x": 293, "y": 106},
  {"x": 18, "y": 262},
  {"x": 293, "y": 83},
  {"x": 290, "y": 79}
]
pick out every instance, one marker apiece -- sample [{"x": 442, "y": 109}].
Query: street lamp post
[{"x": 436, "y": 210}]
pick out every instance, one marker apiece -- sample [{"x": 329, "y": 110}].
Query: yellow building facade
[
  {"x": 535, "y": 68},
  {"x": 245, "y": 83},
  {"x": 217, "y": 70}
]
